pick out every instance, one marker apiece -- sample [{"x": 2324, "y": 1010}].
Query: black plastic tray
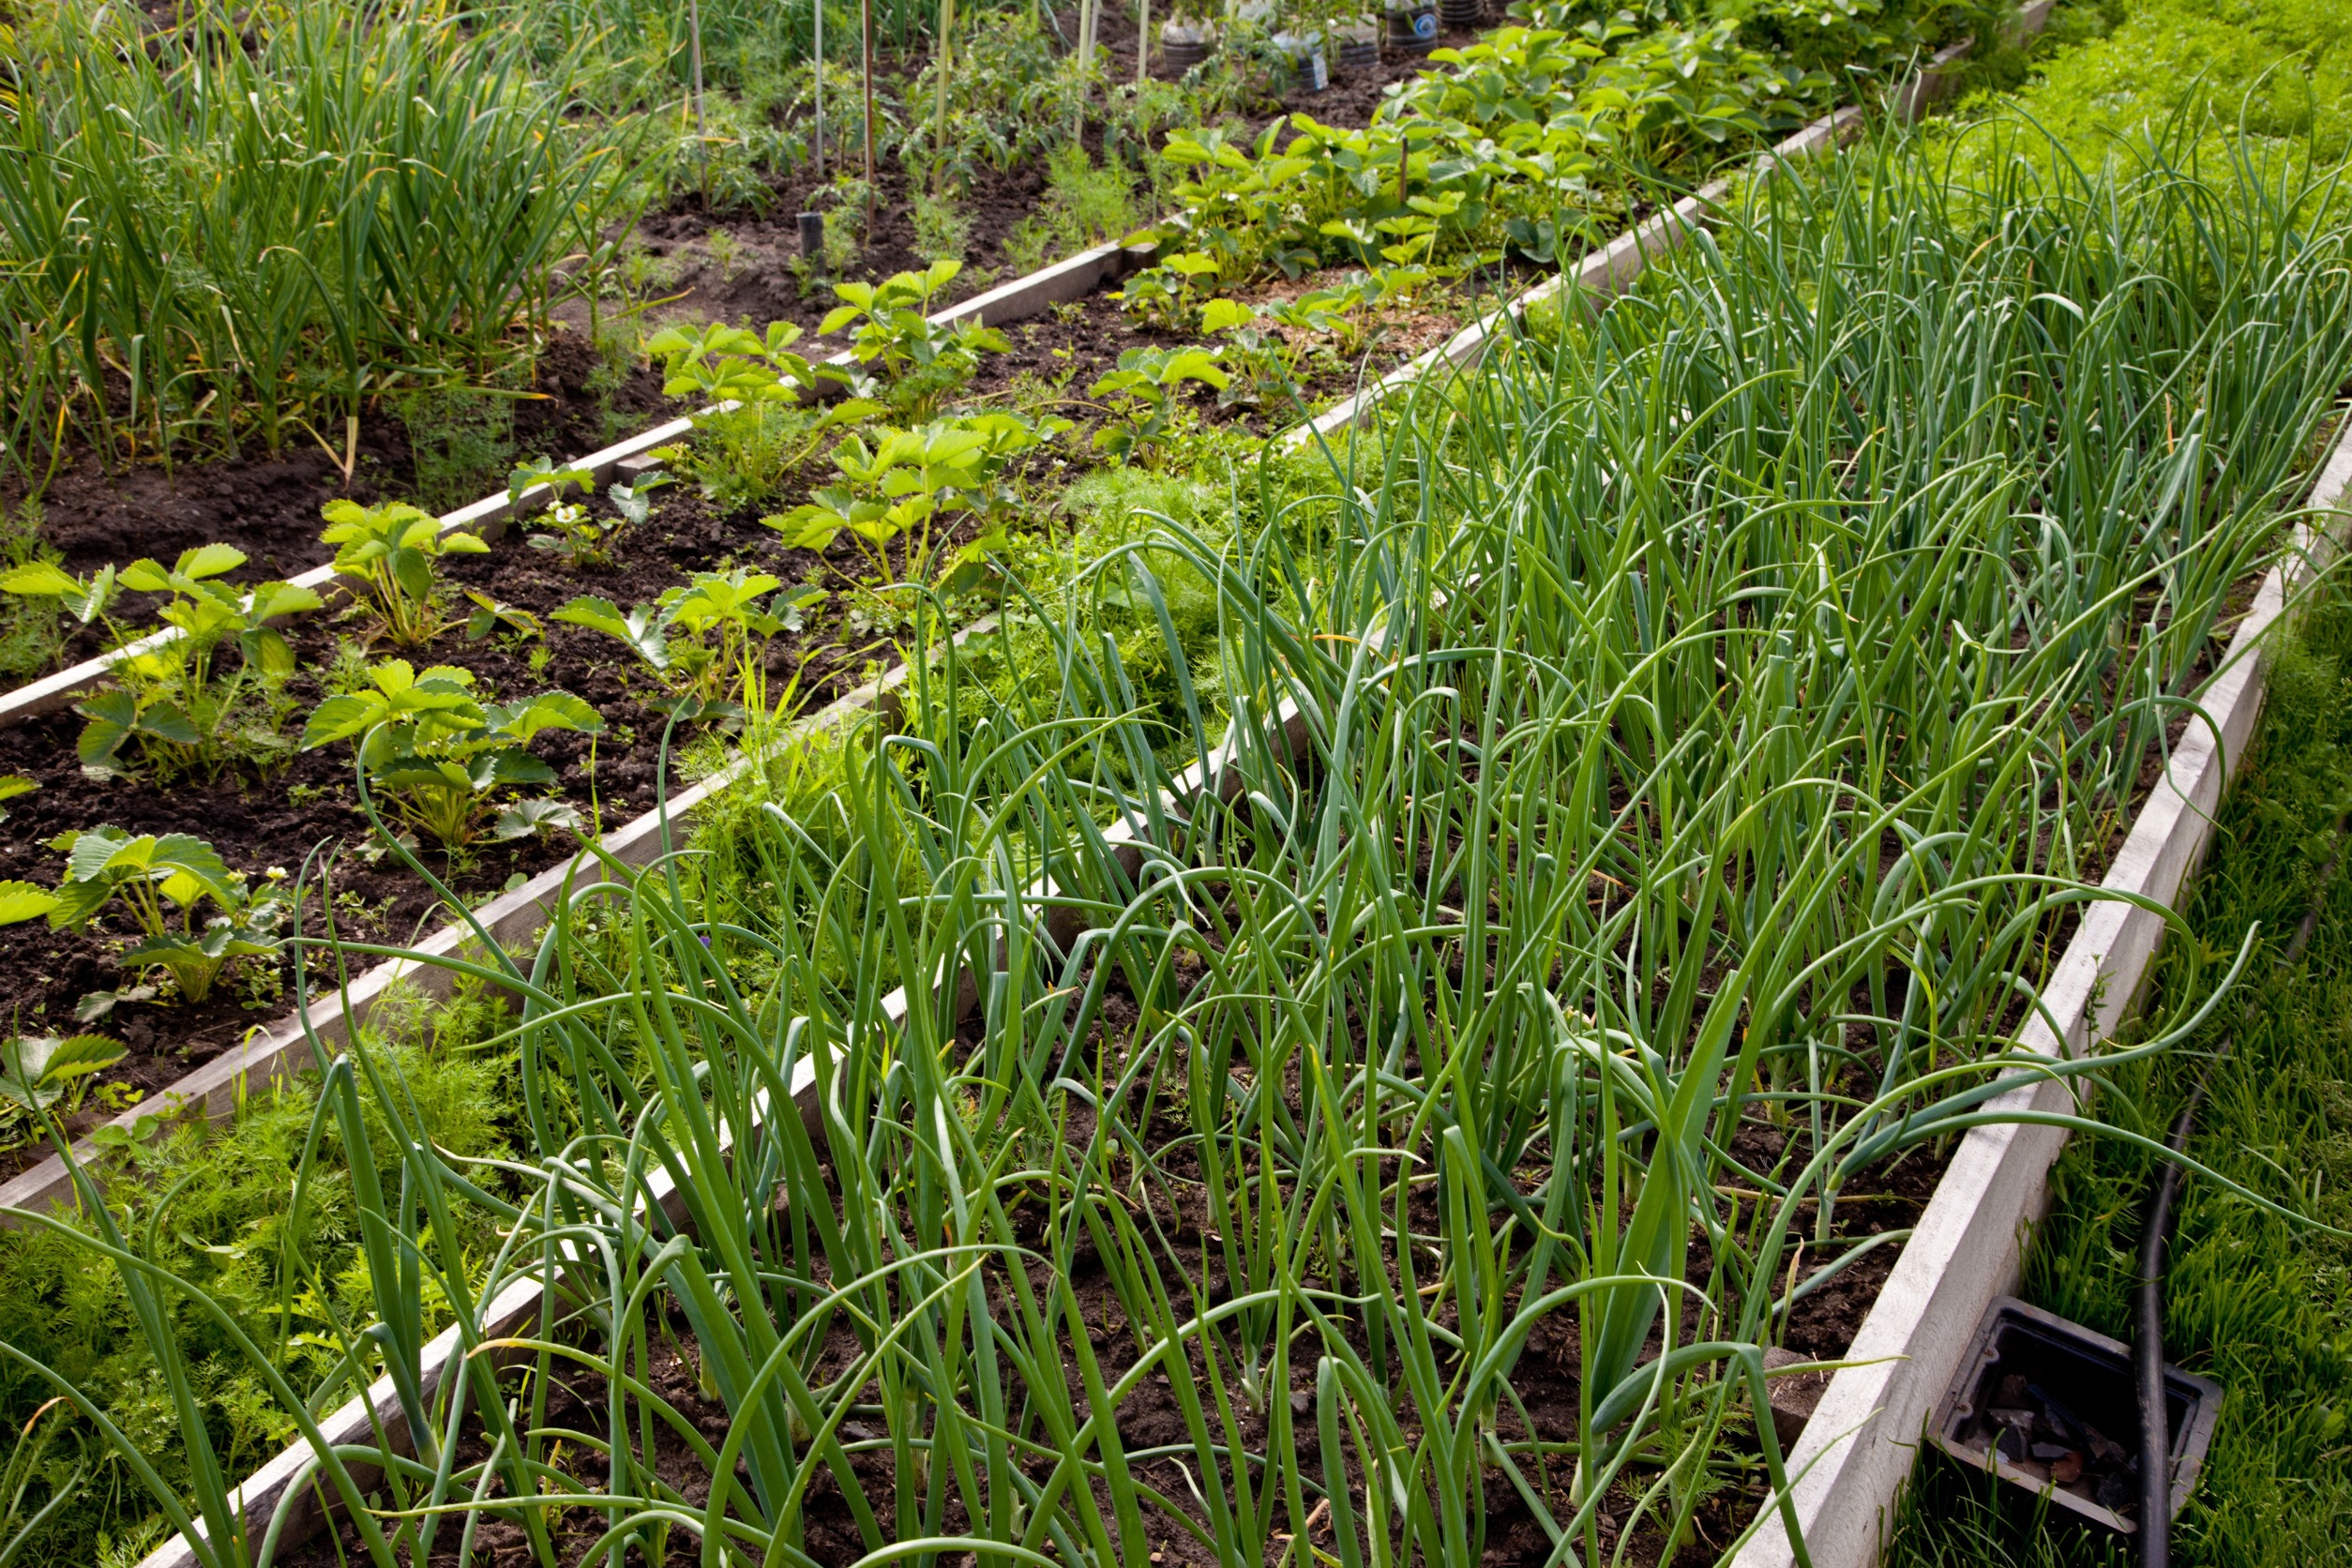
[{"x": 2077, "y": 1388}]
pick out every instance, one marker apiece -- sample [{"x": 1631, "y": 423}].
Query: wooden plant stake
[
  {"x": 865, "y": 19},
  {"x": 947, "y": 64},
  {"x": 702, "y": 133}
]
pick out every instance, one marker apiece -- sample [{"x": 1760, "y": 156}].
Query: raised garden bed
[
  {"x": 279, "y": 819},
  {"x": 584, "y": 389}
]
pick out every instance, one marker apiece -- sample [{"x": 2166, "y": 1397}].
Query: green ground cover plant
[
  {"x": 263, "y": 1214},
  {"x": 2278, "y": 73}
]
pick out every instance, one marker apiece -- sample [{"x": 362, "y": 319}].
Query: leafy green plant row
[
  {"x": 2272, "y": 76},
  {"x": 1535, "y": 143}
]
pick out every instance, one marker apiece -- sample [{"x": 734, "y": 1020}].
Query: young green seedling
[
  {"x": 567, "y": 528},
  {"x": 912, "y": 361},
  {"x": 394, "y": 550},
  {"x": 441, "y": 755},
  {"x": 706, "y": 640},
  {"x": 163, "y": 881},
  {"x": 169, "y": 700},
  {"x": 492, "y": 614},
  {"x": 1141, "y": 395}
]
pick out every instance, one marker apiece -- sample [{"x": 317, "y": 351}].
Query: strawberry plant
[
  {"x": 171, "y": 701},
  {"x": 83, "y": 599},
  {"x": 719, "y": 363},
  {"x": 566, "y": 529},
  {"x": 165, "y": 884},
  {"x": 1168, "y": 297},
  {"x": 706, "y": 640},
  {"x": 635, "y": 501},
  {"x": 1142, "y": 395},
  {"x": 759, "y": 429},
  {"x": 443, "y": 756},
  {"x": 394, "y": 550},
  {"x": 39, "y": 1070},
  {"x": 903, "y": 489},
  {"x": 1261, "y": 362},
  {"x": 1521, "y": 141},
  {"x": 910, "y": 361}
]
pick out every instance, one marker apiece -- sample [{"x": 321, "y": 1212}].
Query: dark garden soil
[
  {"x": 258, "y": 821},
  {"x": 267, "y": 504}
]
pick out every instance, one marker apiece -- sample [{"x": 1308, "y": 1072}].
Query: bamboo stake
[
  {"x": 947, "y": 64},
  {"x": 1087, "y": 10},
  {"x": 1143, "y": 46},
  {"x": 701, "y": 133},
  {"x": 865, "y": 22},
  {"x": 819, "y": 6}
]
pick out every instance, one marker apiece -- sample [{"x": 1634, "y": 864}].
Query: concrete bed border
[{"x": 218, "y": 1087}]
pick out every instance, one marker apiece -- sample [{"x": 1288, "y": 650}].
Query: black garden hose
[{"x": 2148, "y": 1345}]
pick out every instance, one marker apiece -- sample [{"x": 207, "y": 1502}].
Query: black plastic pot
[
  {"x": 1461, "y": 14},
  {"x": 2051, "y": 1406},
  {"x": 1414, "y": 30},
  {"x": 1359, "y": 52},
  {"x": 1177, "y": 56}
]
